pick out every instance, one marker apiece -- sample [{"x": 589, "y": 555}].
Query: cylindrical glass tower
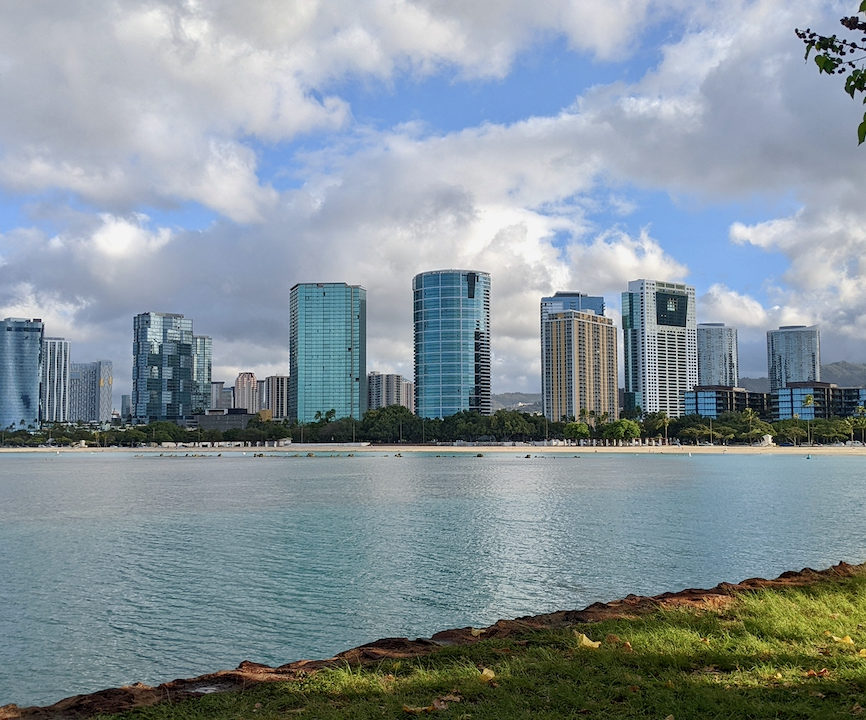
[{"x": 452, "y": 342}]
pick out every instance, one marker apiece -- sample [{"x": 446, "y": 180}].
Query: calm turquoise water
[{"x": 116, "y": 569}]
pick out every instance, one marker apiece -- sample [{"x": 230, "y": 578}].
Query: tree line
[{"x": 396, "y": 424}]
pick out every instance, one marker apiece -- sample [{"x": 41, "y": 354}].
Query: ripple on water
[{"x": 118, "y": 569}]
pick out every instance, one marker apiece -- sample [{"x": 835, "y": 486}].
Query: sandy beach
[{"x": 513, "y": 449}]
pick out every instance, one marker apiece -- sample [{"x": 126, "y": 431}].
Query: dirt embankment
[{"x": 116, "y": 700}]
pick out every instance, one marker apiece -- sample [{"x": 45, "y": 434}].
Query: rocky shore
[{"x": 247, "y": 674}]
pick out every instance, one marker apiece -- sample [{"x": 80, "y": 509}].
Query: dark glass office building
[
  {"x": 452, "y": 342},
  {"x": 162, "y": 367}
]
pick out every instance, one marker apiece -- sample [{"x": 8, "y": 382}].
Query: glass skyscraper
[
  {"x": 162, "y": 367},
  {"x": 90, "y": 391},
  {"x": 452, "y": 342},
  {"x": 717, "y": 355},
  {"x": 202, "y": 361},
  {"x": 20, "y": 372},
  {"x": 793, "y": 355},
  {"x": 327, "y": 351}
]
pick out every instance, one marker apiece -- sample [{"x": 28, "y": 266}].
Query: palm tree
[
  {"x": 860, "y": 421},
  {"x": 809, "y": 401}
]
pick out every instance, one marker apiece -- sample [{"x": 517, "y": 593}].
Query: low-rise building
[
  {"x": 224, "y": 419},
  {"x": 811, "y": 400},
  {"x": 711, "y": 401}
]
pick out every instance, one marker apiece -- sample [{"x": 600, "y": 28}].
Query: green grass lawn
[{"x": 791, "y": 653}]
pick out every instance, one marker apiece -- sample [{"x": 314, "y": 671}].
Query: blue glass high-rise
[
  {"x": 162, "y": 367},
  {"x": 202, "y": 362},
  {"x": 327, "y": 351},
  {"x": 20, "y": 372},
  {"x": 452, "y": 342}
]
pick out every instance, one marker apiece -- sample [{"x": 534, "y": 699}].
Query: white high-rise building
[
  {"x": 277, "y": 394},
  {"x": 247, "y": 392},
  {"x": 793, "y": 355},
  {"x": 384, "y": 389},
  {"x": 660, "y": 345},
  {"x": 55, "y": 380},
  {"x": 717, "y": 355}
]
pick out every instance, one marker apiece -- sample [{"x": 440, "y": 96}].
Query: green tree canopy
[
  {"x": 576, "y": 431},
  {"x": 844, "y": 55}
]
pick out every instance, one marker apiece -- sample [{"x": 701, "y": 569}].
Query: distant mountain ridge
[
  {"x": 524, "y": 402},
  {"x": 843, "y": 374},
  {"x": 760, "y": 384}
]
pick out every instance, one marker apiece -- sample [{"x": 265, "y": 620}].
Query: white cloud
[
  {"x": 722, "y": 304},
  {"x": 57, "y": 314},
  {"x": 612, "y": 259},
  {"x": 825, "y": 247},
  {"x": 118, "y": 238},
  {"x": 126, "y": 104}
]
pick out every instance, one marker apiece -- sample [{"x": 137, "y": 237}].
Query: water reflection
[{"x": 167, "y": 567}]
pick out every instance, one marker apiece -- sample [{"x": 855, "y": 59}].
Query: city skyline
[
  {"x": 561, "y": 300},
  {"x": 560, "y": 145},
  {"x": 669, "y": 360}
]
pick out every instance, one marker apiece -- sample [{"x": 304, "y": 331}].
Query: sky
[{"x": 203, "y": 157}]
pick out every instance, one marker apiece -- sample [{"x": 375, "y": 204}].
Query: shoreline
[
  {"x": 248, "y": 674},
  {"x": 514, "y": 449}
]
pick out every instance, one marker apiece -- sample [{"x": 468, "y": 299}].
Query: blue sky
[{"x": 202, "y": 158}]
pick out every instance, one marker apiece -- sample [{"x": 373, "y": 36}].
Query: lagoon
[{"x": 117, "y": 568}]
